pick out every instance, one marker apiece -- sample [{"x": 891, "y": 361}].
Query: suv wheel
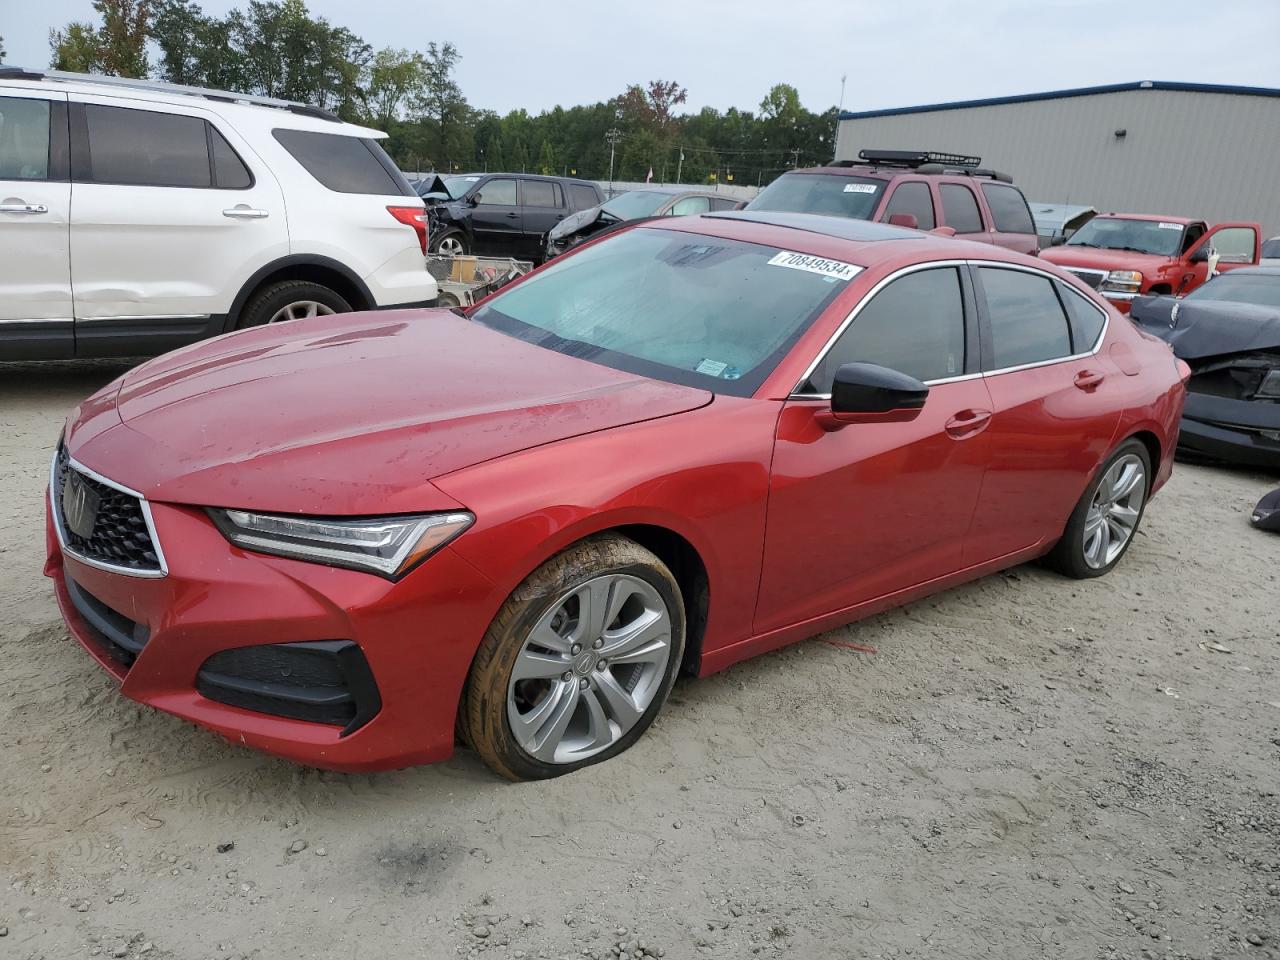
[
  {"x": 290, "y": 300},
  {"x": 451, "y": 244}
]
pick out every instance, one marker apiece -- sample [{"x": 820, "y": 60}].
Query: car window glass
[
  {"x": 229, "y": 171},
  {"x": 1194, "y": 233},
  {"x": 582, "y": 196},
  {"x": 537, "y": 193},
  {"x": 1236, "y": 286},
  {"x": 914, "y": 325},
  {"x": 1271, "y": 248},
  {"x": 1234, "y": 244},
  {"x": 1086, "y": 319},
  {"x": 723, "y": 203},
  {"x": 913, "y": 198},
  {"x": 1027, "y": 322},
  {"x": 960, "y": 208},
  {"x": 24, "y": 139},
  {"x": 344, "y": 164},
  {"x": 497, "y": 193},
  {"x": 146, "y": 148},
  {"x": 687, "y": 206},
  {"x": 1009, "y": 210},
  {"x": 821, "y": 193}
]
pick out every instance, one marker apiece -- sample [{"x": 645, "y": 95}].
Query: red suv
[{"x": 927, "y": 191}]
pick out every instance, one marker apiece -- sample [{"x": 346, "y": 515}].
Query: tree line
[{"x": 276, "y": 48}]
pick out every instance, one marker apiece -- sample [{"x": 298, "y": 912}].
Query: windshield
[
  {"x": 458, "y": 186},
  {"x": 1145, "y": 236},
  {"x": 635, "y": 204},
  {"x": 702, "y": 311},
  {"x": 836, "y": 196},
  {"x": 1234, "y": 288}
]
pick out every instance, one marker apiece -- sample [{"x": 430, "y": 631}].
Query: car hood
[
  {"x": 1208, "y": 328},
  {"x": 574, "y": 222},
  {"x": 348, "y": 415},
  {"x": 1095, "y": 258}
]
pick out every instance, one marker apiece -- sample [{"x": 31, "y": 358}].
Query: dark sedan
[
  {"x": 1228, "y": 331},
  {"x": 652, "y": 201}
]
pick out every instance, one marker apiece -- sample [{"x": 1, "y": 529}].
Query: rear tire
[
  {"x": 451, "y": 243},
  {"x": 579, "y": 692},
  {"x": 1105, "y": 521},
  {"x": 290, "y": 299}
]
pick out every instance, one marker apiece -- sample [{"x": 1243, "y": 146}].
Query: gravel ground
[{"x": 1027, "y": 767}]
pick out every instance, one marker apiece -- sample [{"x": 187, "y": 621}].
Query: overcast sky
[{"x": 517, "y": 53}]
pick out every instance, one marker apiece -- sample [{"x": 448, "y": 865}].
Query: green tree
[
  {"x": 547, "y": 159},
  {"x": 441, "y": 102},
  {"x": 76, "y": 47},
  {"x": 1, "y": 49},
  {"x": 396, "y": 81},
  {"x": 116, "y": 47}
]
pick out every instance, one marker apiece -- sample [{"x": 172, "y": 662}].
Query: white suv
[{"x": 137, "y": 217}]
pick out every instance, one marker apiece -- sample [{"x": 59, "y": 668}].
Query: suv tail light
[{"x": 415, "y": 217}]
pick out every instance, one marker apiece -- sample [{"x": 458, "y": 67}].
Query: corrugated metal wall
[{"x": 1210, "y": 155}]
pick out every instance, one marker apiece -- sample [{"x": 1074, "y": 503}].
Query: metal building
[{"x": 1187, "y": 149}]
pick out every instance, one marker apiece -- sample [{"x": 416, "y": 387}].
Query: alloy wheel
[
  {"x": 1113, "y": 515},
  {"x": 450, "y": 247},
  {"x": 589, "y": 669},
  {"x": 300, "y": 310}
]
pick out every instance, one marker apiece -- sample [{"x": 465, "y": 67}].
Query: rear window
[
  {"x": 146, "y": 148},
  {"x": 1009, "y": 208},
  {"x": 345, "y": 164},
  {"x": 582, "y": 196},
  {"x": 960, "y": 208},
  {"x": 229, "y": 171},
  {"x": 24, "y": 139},
  {"x": 913, "y": 199},
  {"x": 823, "y": 193},
  {"x": 540, "y": 193},
  {"x": 1027, "y": 321},
  {"x": 1086, "y": 319}
]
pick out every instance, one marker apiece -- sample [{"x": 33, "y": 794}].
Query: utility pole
[
  {"x": 835, "y": 140},
  {"x": 612, "y": 138},
  {"x": 680, "y": 165},
  {"x": 795, "y": 157}
]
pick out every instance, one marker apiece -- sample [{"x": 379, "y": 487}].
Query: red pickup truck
[{"x": 1127, "y": 255}]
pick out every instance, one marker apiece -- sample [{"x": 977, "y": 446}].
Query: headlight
[
  {"x": 389, "y": 547},
  {"x": 1270, "y": 386},
  {"x": 1121, "y": 281}
]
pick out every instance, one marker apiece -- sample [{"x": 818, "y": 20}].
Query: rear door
[
  {"x": 1054, "y": 407},
  {"x": 1012, "y": 225},
  {"x": 169, "y": 219},
  {"x": 961, "y": 213},
  {"x": 583, "y": 196},
  {"x": 542, "y": 206},
  {"x": 35, "y": 207},
  {"x": 496, "y": 220}
]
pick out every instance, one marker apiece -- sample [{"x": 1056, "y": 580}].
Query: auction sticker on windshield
[
  {"x": 1164, "y": 225},
  {"x": 834, "y": 269},
  {"x": 860, "y": 188}
]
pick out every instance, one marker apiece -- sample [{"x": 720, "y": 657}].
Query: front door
[
  {"x": 496, "y": 220},
  {"x": 867, "y": 510},
  {"x": 542, "y": 206},
  {"x": 1055, "y": 409},
  {"x": 35, "y": 206}
]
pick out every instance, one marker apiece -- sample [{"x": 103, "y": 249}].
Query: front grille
[
  {"x": 324, "y": 681},
  {"x": 1091, "y": 277},
  {"x": 119, "y": 637},
  {"x": 119, "y": 535}
]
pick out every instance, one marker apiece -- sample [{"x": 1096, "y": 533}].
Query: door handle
[
  {"x": 512, "y": 216},
  {"x": 1088, "y": 379},
  {"x": 23, "y": 208},
  {"x": 968, "y": 423},
  {"x": 243, "y": 211}
]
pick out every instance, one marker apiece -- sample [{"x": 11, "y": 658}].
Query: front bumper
[
  {"x": 1238, "y": 431},
  {"x": 417, "y": 636}
]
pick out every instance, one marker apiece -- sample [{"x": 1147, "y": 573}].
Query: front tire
[
  {"x": 1105, "y": 521},
  {"x": 290, "y": 300},
  {"x": 451, "y": 243},
  {"x": 577, "y": 663}
]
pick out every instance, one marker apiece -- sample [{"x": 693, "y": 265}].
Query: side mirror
[
  {"x": 473, "y": 199},
  {"x": 1200, "y": 254},
  {"x": 907, "y": 220},
  {"x": 870, "y": 393},
  {"x": 944, "y": 231}
]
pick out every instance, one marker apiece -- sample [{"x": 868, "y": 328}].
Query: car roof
[
  {"x": 842, "y": 228},
  {"x": 674, "y": 189}
]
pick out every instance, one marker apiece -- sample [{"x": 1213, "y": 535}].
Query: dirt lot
[{"x": 1027, "y": 767}]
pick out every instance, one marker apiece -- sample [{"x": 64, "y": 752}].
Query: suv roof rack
[
  {"x": 156, "y": 86},
  {"x": 916, "y": 158}
]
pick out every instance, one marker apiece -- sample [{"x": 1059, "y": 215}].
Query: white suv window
[
  {"x": 345, "y": 164},
  {"x": 146, "y": 148},
  {"x": 24, "y": 139}
]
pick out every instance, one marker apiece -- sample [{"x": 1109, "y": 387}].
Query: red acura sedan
[{"x": 353, "y": 539}]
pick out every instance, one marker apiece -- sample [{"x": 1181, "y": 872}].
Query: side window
[
  {"x": 536, "y": 193},
  {"x": 24, "y": 139},
  {"x": 582, "y": 196},
  {"x": 1009, "y": 210},
  {"x": 229, "y": 171},
  {"x": 1027, "y": 322},
  {"x": 1234, "y": 244},
  {"x": 1086, "y": 320},
  {"x": 914, "y": 198},
  {"x": 1194, "y": 232},
  {"x": 914, "y": 325},
  {"x": 960, "y": 208},
  {"x": 724, "y": 203},
  {"x": 345, "y": 164},
  {"x": 497, "y": 193},
  {"x": 688, "y": 206},
  {"x": 146, "y": 148}
]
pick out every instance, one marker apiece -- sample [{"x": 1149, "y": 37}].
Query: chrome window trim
[
  {"x": 998, "y": 264},
  {"x": 149, "y": 316},
  {"x": 16, "y": 320},
  {"x": 55, "y": 512}
]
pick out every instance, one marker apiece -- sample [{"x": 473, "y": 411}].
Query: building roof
[{"x": 1065, "y": 94}]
